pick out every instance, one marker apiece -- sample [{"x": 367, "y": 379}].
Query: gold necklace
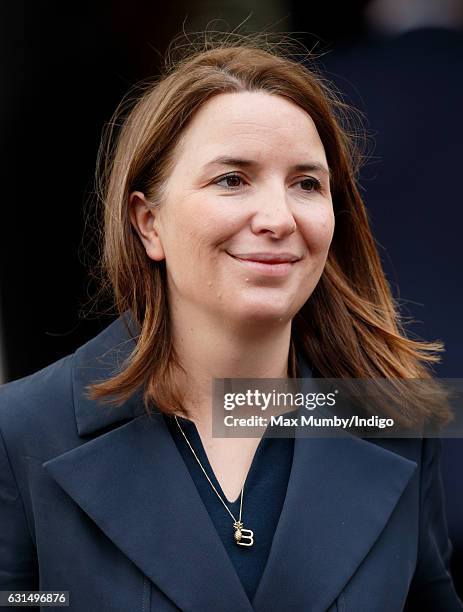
[{"x": 242, "y": 536}]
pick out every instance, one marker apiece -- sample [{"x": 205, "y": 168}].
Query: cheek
[
  {"x": 203, "y": 224},
  {"x": 317, "y": 230},
  {"x": 190, "y": 242}
]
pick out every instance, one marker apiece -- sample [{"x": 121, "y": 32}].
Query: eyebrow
[{"x": 224, "y": 160}]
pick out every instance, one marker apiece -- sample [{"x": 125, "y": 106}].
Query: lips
[
  {"x": 267, "y": 258},
  {"x": 270, "y": 265}
]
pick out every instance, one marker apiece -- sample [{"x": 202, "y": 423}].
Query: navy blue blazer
[{"x": 97, "y": 501}]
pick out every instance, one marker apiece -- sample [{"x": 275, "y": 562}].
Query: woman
[{"x": 236, "y": 245}]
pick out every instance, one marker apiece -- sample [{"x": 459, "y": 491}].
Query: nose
[{"x": 272, "y": 213}]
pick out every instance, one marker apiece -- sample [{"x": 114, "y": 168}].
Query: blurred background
[{"x": 66, "y": 67}]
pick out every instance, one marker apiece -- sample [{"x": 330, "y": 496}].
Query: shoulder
[
  {"x": 38, "y": 395},
  {"x": 407, "y": 448},
  {"x": 37, "y": 412},
  {"x": 425, "y": 452},
  {"x": 32, "y": 406}
]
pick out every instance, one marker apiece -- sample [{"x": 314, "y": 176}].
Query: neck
[{"x": 209, "y": 349}]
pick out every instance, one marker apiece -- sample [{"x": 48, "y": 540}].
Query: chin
[{"x": 260, "y": 313}]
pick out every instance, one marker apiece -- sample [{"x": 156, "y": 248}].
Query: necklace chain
[{"x": 210, "y": 482}]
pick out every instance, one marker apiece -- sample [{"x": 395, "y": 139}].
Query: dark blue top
[{"x": 264, "y": 494}]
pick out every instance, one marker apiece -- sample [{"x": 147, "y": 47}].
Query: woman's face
[{"x": 247, "y": 218}]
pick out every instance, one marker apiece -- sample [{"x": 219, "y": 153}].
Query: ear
[{"x": 143, "y": 219}]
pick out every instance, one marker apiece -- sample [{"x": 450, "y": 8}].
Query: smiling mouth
[{"x": 269, "y": 268}]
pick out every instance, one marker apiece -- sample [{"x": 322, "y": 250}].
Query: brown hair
[{"x": 350, "y": 326}]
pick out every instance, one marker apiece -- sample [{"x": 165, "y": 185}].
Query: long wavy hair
[{"x": 350, "y": 327}]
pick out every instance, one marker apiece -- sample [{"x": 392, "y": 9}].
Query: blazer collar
[
  {"x": 341, "y": 493},
  {"x": 98, "y": 359}
]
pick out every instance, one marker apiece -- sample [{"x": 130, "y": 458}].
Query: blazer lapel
[
  {"x": 340, "y": 495},
  {"x": 132, "y": 482}
]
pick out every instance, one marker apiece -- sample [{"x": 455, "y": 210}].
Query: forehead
[{"x": 250, "y": 122}]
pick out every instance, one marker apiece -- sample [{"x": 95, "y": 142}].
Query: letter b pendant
[{"x": 243, "y": 537}]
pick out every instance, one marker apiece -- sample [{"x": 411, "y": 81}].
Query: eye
[
  {"x": 310, "y": 184},
  {"x": 232, "y": 181}
]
